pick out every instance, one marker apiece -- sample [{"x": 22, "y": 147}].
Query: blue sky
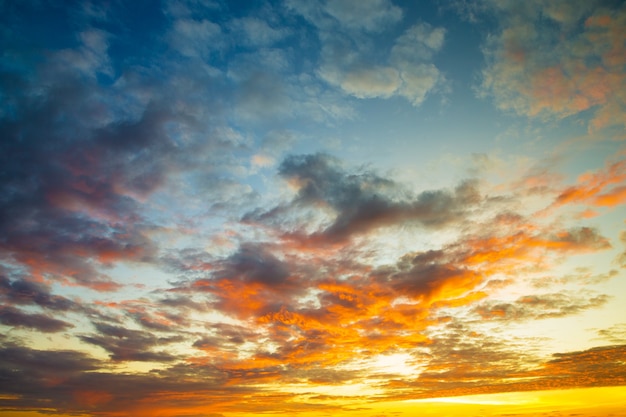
[{"x": 355, "y": 200}]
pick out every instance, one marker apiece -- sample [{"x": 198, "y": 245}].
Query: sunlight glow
[{"x": 397, "y": 363}]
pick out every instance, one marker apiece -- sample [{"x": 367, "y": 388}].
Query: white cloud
[
  {"x": 371, "y": 82},
  {"x": 419, "y": 42},
  {"x": 418, "y": 81},
  {"x": 90, "y": 58},
  {"x": 371, "y": 15},
  {"x": 256, "y": 32},
  {"x": 189, "y": 8},
  {"x": 195, "y": 38},
  {"x": 408, "y": 73},
  {"x": 348, "y": 15}
]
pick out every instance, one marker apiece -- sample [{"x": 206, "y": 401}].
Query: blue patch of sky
[{"x": 33, "y": 27}]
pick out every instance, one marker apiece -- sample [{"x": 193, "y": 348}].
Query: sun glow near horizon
[{"x": 579, "y": 401}]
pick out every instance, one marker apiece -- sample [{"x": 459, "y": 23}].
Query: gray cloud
[
  {"x": 614, "y": 334},
  {"x": 375, "y": 16},
  {"x": 363, "y": 201},
  {"x": 272, "y": 282},
  {"x": 23, "y": 292},
  {"x": 256, "y": 32},
  {"x": 541, "y": 306},
  {"x": 14, "y": 317},
  {"x": 125, "y": 344},
  {"x": 196, "y": 38},
  {"x": 252, "y": 264}
]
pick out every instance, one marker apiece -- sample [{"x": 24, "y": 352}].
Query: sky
[{"x": 214, "y": 208}]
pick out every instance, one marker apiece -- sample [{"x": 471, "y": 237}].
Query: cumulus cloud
[
  {"x": 89, "y": 59},
  {"x": 357, "y": 68},
  {"x": 66, "y": 191},
  {"x": 361, "y": 202},
  {"x": 82, "y": 160},
  {"x": 250, "y": 282},
  {"x": 256, "y": 32},
  {"x": 371, "y": 82},
  {"x": 419, "y": 42},
  {"x": 374, "y": 16},
  {"x": 263, "y": 95},
  {"x": 409, "y": 73},
  {"x": 579, "y": 66},
  {"x": 274, "y": 144},
  {"x": 195, "y": 38}
]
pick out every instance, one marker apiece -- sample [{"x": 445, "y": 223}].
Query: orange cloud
[
  {"x": 597, "y": 188},
  {"x": 579, "y": 67},
  {"x": 92, "y": 399}
]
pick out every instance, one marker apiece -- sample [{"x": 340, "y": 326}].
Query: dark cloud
[
  {"x": 80, "y": 388},
  {"x": 64, "y": 190},
  {"x": 10, "y": 316},
  {"x": 156, "y": 316},
  {"x": 189, "y": 263},
  {"x": 23, "y": 292},
  {"x": 183, "y": 303},
  {"x": 251, "y": 263},
  {"x": 23, "y": 360},
  {"x": 362, "y": 201},
  {"x": 252, "y": 280},
  {"x": 72, "y": 382},
  {"x": 427, "y": 280},
  {"x": 596, "y": 367},
  {"x": 88, "y": 140},
  {"x": 124, "y": 344},
  {"x": 325, "y": 376}
]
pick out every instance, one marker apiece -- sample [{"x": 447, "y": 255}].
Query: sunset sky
[{"x": 378, "y": 208}]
